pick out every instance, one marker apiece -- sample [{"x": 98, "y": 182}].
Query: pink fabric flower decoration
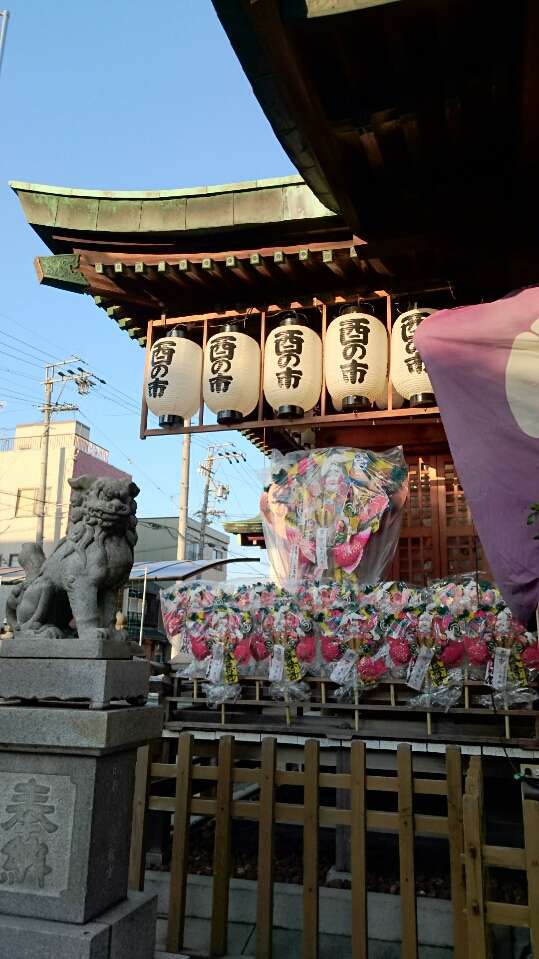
[
  {"x": 349, "y": 555},
  {"x": 242, "y": 651},
  {"x": 331, "y": 649},
  {"x": 530, "y": 656},
  {"x": 399, "y": 651},
  {"x": 306, "y": 649},
  {"x": 453, "y": 654},
  {"x": 259, "y": 648},
  {"x": 478, "y": 652},
  {"x": 199, "y": 647},
  {"x": 370, "y": 669}
]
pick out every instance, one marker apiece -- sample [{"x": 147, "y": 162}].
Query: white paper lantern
[
  {"x": 355, "y": 360},
  {"x": 172, "y": 385},
  {"x": 396, "y": 399},
  {"x": 292, "y": 367},
  {"x": 231, "y": 379},
  {"x": 408, "y": 372}
]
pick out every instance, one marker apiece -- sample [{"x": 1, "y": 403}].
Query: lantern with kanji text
[
  {"x": 292, "y": 367},
  {"x": 231, "y": 379},
  {"x": 172, "y": 386},
  {"x": 355, "y": 359},
  {"x": 408, "y": 373}
]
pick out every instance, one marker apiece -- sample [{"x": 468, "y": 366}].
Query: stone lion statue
[{"x": 80, "y": 580}]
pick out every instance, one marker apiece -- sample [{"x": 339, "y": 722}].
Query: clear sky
[{"x": 116, "y": 94}]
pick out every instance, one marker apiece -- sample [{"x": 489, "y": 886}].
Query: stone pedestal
[
  {"x": 98, "y": 671},
  {"x": 66, "y": 796}
]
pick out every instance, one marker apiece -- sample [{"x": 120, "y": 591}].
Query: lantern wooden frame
[{"x": 208, "y": 323}]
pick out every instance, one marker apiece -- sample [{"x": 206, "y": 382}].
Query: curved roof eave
[{"x": 63, "y": 215}]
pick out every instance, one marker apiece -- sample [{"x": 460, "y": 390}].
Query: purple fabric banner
[{"x": 483, "y": 362}]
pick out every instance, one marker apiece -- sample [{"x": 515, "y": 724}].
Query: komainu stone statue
[{"x": 80, "y": 579}]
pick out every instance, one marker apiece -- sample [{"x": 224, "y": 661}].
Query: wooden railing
[
  {"x": 212, "y": 791},
  {"x": 479, "y": 857}
]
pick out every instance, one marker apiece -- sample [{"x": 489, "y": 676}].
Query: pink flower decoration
[
  {"x": 370, "y": 669},
  {"x": 478, "y": 652},
  {"x": 331, "y": 649},
  {"x": 453, "y": 654},
  {"x": 259, "y": 648},
  {"x": 199, "y": 648},
  {"x": 399, "y": 651},
  {"x": 530, "y": 656},
  {"x": 242, "y": 651},
  {"x": 306, "y": 649}
]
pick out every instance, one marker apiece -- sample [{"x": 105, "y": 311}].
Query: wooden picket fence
[{"x": 209, "y": 790}]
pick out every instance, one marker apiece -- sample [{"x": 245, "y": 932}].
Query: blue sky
[{"x": 116, "y": 95}]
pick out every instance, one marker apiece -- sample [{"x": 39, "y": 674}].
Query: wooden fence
[{"x": 211, "y": 790}]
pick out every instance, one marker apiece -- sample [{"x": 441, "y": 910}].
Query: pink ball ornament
[
  {"x": 242, "y": 652},
  {"x": 199, "y": 648},
  {"x": 530, "y": 656},
  {"x": 370, "y": 669},
  {"x": 331, "y": 649},
  {"x": 453, "y": 654},
  {"x": 478, "y": 652},
  {"x": 259, "y": 649},
  {"x": 306, "y": 649},
  {"x": 399, "y": 651}
]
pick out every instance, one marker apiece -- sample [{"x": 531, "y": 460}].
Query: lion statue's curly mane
[{"x": 80, "y": 579}]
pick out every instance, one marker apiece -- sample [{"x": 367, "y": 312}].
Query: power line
[{"x": 6, "y": 334}]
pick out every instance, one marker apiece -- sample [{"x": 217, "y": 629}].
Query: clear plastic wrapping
[
  {"x": 333, "y": 513},
  {"x": 354, "y": 636}
]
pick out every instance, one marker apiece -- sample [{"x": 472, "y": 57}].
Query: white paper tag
[
  {"x": 418, "y": 668},
  {"x": 322, "y": 547},
  {"x": 383, "y": 653},
  {"x": 500, "y": 668},
  {"x": 294, "y": 559},
  {"x": 216, "y": 663},
  {"x": 276, "y": 666},
  {"x": 343, "y": 668}
]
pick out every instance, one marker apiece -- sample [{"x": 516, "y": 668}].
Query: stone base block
[
  {"x": 59, "y": 729},
  {"x": 65, "y": 827},
  {"x": 98, "y": 681},
  {"x": 30, "y": 646},
  {"x": 126, "y": 931}
]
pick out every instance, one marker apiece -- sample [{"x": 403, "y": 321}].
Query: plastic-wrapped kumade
[{"x": 333, "y": 514}]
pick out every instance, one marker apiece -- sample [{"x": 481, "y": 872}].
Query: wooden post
[
  {"x": 310, "y": 850},
  {"x": 358, "y": 842},
  {"x": 472, "y": 808},
  {"x": 180, "y": 844},
  {"x": 406, "y": 853},
  {"x": 264, "y": 891},
  {"x": 140, "y": 802},
  {"x": 221, "y": 850},
  {"x": 531, "y": 846},
  {"x": 453, "y": 763}
]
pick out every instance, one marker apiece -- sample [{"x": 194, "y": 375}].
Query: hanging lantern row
[{"x": 354, "y": 360}]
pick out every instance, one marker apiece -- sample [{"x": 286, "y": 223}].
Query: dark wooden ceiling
[{"x": 416, "y": 120}]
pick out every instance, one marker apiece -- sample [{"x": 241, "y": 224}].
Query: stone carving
[
  {"x": 34, "y": 817},
  {"x": 80, "y": 580}
]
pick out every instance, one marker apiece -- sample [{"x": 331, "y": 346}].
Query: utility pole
[
  {"x": 225, "y": 451},
  {"x": 4, "y": 18},
  {"x": 206, "y": 469},
  {"x": 184, "y": 497},
  {"x": 54, "y": 373}
]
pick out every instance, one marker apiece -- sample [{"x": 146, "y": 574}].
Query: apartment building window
[
  {"x": 28, "y": 501},
  {"x": 192, "y": 551}
]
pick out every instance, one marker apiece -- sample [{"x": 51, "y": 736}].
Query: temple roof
[{"x": 156, "y": 220}]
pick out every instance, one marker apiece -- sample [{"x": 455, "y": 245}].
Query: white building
[
  {"x": 71, "y": 454},
  {"x": 158, "y": 540}
]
